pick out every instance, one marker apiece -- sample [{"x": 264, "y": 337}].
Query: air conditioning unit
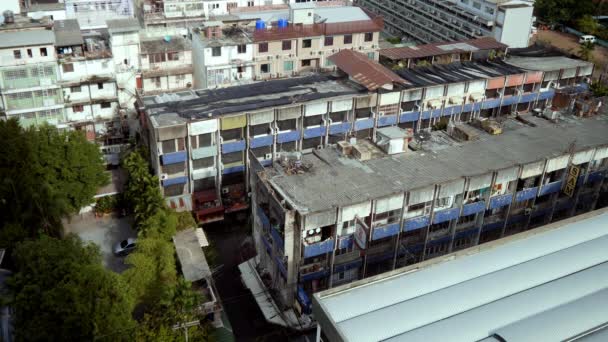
[
  {"x": 164, "y": 176},
  {"x": 268, "y": 156}
]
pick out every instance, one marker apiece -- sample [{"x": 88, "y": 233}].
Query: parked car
[
  {"x": 587, "y": 39},
  {"x": 125, "y": 247}
]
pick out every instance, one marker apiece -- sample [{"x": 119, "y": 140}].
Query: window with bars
[
  {"x": 173, "y": 56},
  {"x": 233, "y": 157},
  {"x": 286, "y": 45},
  {"x": 263, "y": 47},
  {"x": 203, "y": 163},
  {"x": 78, "y": 108},
  {"x": 329, "y": 41},
  {"x": 348, "y": 39},
  {"x": 368, "y": 37},
  {"x": 387, "y": 217},
  {"x": 156, "y": 57},
  {"x": 310, "y": 121},
  {"x": 68, "y": 67},
  {"x": 174, "y": 168},
  {"x": 174, "y": 190},
  {"x": 169, "y": 146}
]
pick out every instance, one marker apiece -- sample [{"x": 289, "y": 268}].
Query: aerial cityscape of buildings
[{"x": 355, "y": 159}]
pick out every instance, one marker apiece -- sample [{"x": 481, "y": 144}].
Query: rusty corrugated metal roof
[
  {"x": 443, "y": 48},
  {"x": 366, "y": 72}
]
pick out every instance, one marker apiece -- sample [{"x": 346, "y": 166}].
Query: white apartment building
[
  {"x": 428, "y": 21},
  {"x": 124, "y": 42},
  {"x": 223, "y": 57},
  {"x": 28, "y": 69},
  {"x": 92, "y": 14},
  {"x": 86, "y": 75},
  {"x": 166, "y": 64}
]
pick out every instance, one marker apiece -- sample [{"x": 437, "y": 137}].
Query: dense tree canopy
[
  {"x": 45, "y": 175},
  {"x": 61, "y": 292},
  {"x": 563, "y": 11}
]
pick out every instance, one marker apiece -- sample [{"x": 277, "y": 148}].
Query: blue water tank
[
  {"x": 260, "y": 24},
  {"x": 283, "y": 23}
]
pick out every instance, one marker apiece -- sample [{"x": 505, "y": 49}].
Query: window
[
  {"x": 263, "y": 47},
  {"x": 314, "y": 120},
  {"x": 250, "y": 3},
  {"x": 43, "y": 52},
  {"x": 489, "y": 10},
  {"x": 369, "y": 36},
  {"x": 168, "y": 146},
  {"x": 348, "y": 39},
  {"x": 69, "y": 67},
  {"x": 286, "y": 45},
  {"x": 216, "y": 51},
  {"x": 442, "y": 202},
  {"x": 173, "y": 56},
  {"x": 286, "y": 125},
  {"x": 106, "y": 105},
  {"x": 265, "y": 68},
  {"x": 466, "y": 2},
  {"x": 371, "y": 55},
  {"x": 307, "y": 43},
  {"x": 75, "y": 89},
  {"x": 29, "y": 53},
  {"x": 203, "y": 163},
  {"x": 174, "y": 190},
  {"x": 78, "y": 108},
  {"x": 232, "y": 134},
  {"x": 156, "y": 57},
  {"x": 241, "y": 48},
  {"x": 174, "y": 168},
  {"x": 306, "y": 62},
  {"x": 17, "y": 54},
  {"x": 156, "y": 81},
  {"x": 288, "y": 66},
  {"x": 261, "y": 129},
  {"x": 99, "y": 86},
  {"x": 477, "y": 5},
  {"x": 329, "y": 41},
  {"x": 234, "y": 157}
]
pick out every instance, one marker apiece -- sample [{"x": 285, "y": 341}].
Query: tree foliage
[
  {"x": 141, "y": 192},
  {"x": 563, "y": 11},
  {"x": 585, "y": 51},
  {"x": 45, "y": 175},
  {"x": 599, "y": 89},
  {"x": 61, "y": 292}
]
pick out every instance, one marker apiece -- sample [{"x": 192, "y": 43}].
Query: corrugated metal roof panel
[
  {"x": 368, "y": 73},
  {"x": 26, "y": 38}
]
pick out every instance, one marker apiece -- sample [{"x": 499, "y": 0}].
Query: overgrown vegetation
[
  {"x": 599, "y": 88},
  {"x": 575, "y": 13},
  {"x": 165, "y": 298},
  {"x": 61, "y": 292},
  {"x": 45, "y": 176},
  {"x": 394, "y": 40},
  {"x": 585, "y": 51}
]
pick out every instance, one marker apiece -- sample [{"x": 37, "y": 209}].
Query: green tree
[
  {"x": 61, "y": 292},
  {"x": 599, "y": 89},
  {"x": 587, "y": 24},
  {"x": 585, "y": 51},
  {"x": 152, "y": 274},
  {"x": 45, "y": 175},
  {"x": 563, "y": 11},
  {"x": 141, "y": 193}
]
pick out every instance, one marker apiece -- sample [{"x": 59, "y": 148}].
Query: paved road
[
  {"x": 569, "y": 42},
  {"x": 105, "y": 232},
  {"x": 246, "y": 319}
]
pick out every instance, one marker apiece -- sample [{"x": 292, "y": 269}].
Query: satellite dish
[{"x": 2, "y": 19}]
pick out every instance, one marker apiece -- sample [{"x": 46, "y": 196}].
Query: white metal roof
[
  {"x": 26, "y": 38},
  {"x": 512, "y": 287}
]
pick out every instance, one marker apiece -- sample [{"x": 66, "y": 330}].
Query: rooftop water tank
[
  {"x": 260, "y": 24},
  {"x": 9, "y": 17},
  {"x": 283, "y": 23}
]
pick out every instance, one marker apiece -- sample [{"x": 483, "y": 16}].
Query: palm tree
[{"x": 585, "y": 51}]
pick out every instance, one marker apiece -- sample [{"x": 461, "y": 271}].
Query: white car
[
  {"x": 125, "y": 247},
  {"x": 587, "y": 39}
]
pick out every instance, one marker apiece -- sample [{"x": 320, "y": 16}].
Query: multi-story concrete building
[
  {"x": 222, "y": 56},
  {"x": 92, "y": 14},
  {"x": 86, "y": 74},
  {"x": 427, "y": 21},
  {"x": 29, "y": 82},
  {"x": 338, "y": 215},
  {"x": 166, "y": 64},
  {"x": 199, "y": 140},
  {"x": 176, "y": 17},
  {"x": 124, "y": 42},
  {"x": 280, "y": 43}
]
